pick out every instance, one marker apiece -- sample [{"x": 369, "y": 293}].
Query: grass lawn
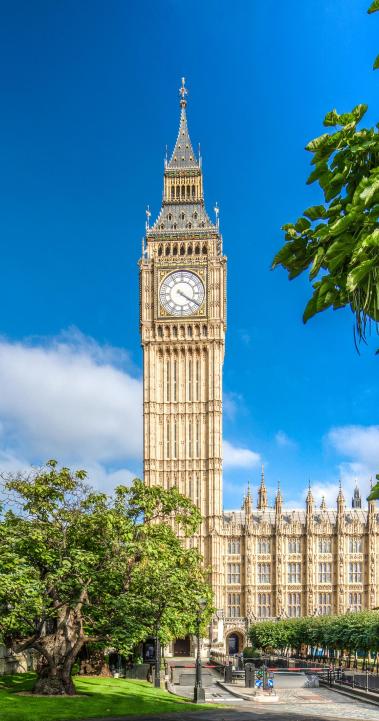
[{"x": 103, "y": 697}]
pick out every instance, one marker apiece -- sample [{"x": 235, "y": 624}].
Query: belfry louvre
[{"x": 266, "y": 562}]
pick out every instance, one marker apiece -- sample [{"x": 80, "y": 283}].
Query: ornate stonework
[{"x": 268, "y": 562}]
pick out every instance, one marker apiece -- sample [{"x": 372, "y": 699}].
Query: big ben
[{"x": 183, "y": 322}]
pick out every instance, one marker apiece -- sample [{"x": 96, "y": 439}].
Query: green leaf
[
  {"x": 358, "y": 274},
  {"x": 376, "y": 63},
  {"x": 302, "y": 224},
  {"x": 317, "y": 142},
  {"x": 374, "y": 7},
  {"x": 315, "y": 212}
]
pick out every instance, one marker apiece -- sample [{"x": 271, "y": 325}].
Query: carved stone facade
[{"x": 268, "y": 562}]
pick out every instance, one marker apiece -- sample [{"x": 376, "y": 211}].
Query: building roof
[{"x": 183, "y": 155}]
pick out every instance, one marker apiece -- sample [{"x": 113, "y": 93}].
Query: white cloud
[
  {"x": 232, "y": 402},
  {"x": 73, "y": 400},
  {"x": 284, "y": 441},
  {"x": 235, "y": 457}
]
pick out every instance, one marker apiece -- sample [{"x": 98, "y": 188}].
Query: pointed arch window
[
  {"x": 168, "y": 438},
  {"x": 190, "y": 439},
  {"x": 197, "y": 438},
  {"x": 198, "y": 380},
  {"x": 168, "y": 381},
  {"x": 190, "y": 380},
  {"x": 175, "y": 379},
  {"x": 175, "y": 439}
]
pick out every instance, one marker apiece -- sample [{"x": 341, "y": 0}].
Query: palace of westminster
[{"x": 266, "y": 562}]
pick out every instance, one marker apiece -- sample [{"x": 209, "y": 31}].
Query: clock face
[{"x": 182, "y": 293}]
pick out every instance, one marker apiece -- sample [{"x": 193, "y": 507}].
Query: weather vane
[{"x": 183, "y": 92}]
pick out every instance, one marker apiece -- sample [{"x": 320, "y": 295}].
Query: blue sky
[{"x": 89, "y": 100}]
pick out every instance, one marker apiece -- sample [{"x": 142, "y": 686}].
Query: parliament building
[{"x": 266, "y": 562}]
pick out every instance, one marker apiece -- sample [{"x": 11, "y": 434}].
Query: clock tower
[{"x": 183, "y": 321}]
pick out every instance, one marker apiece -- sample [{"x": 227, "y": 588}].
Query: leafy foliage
[
  {"x": 374, "y": 495},
  {"x": 339, "y": 239},
  {"x": 78, "y": 566},
  {"x": 352, "y": 631}
]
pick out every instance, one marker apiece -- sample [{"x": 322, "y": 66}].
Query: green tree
[
  {"x": 338, "y": 240},
  {"x": 77, "y": 566}
]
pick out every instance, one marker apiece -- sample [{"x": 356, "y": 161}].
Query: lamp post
[
  {"x": 199, "y": 693},
  {"x": 157, "y": 675}
]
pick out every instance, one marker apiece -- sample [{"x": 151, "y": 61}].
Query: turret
[
  {"x": 309, "y": 502},
  {"x": 278, "y": 502},
  {"x": 262, "y": 492},
  {"x": 247, "y": 504},
  {"x": 356, "y": 501},
  {"x": 340, "y": 501}
]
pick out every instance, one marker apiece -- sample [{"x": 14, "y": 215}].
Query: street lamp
[
  {"x": 199, "y": 693},
  {"x": 157, "y": 675}
]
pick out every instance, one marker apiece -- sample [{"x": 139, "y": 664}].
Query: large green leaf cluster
[
  {"x": 113, "y": 568},
  {"x": 338, "y": 241},
  {"x": 352, "y": 631}
]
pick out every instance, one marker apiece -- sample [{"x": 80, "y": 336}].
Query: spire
[
  {"x": 309, "y": 500},
  {"x": 183, "y": 155},
  {"x": 323, "y": 504},
  {"x": 262, "y": 492},
  {"x": 278, "y": 501},
  {"x": 183, "y": 209},
  {"x": 247, "y": 503},
  {"x": 356, "y": 501},
  {"x": 340, "y": 499}
]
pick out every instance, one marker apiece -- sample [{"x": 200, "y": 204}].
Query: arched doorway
[
  {"x": 182, "y": 646},
  {"x": 233, "y": 644}
]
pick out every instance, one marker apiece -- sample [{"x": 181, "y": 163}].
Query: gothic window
[
  {"x": 182, "y": 249},
  {"x": 325, "y": 545},
  {"x": 355, "y": 545},
  {"x": 189, "y": 331},
  {"x": 264, "y": 572},
  {"x": 190, "y": 487},
  {"x": 294, "y": 572},
  {"x": 175, "y": 250},
  {"x": 174, "y": 226},
  {"x": 234, "y": 605},
  {"x": 160, "y": 331},
  {"x": 175, "y": 331},
  {"x": 172, "y": 193},
  {"x": 169, "y": 216},
  {"x": 294, "y": 605},
  {"x": 204, "y": 246},
  {"x": 175, "y": 439},
  {"x": 190, "y": 439},
  {"x": 234, "y": 573},
  {"x": 190, "y": 380},
  {"x": 167, "y": 251},
  {"x": 189, "y": 250},
  {"x": 197, "y": 250},
  {"x": 355, "y": 601},
  {"x": 294, "y": 545},
  {"x": 182, "y": 216},
  {"x": 355, "y": 572},
  {"x": 168, "y": 438},
  {"x": 197, "y": 499},
  {"x": 183, "y": 191},
  {"x": 189, "y": 225},
  {"x": 197, "y": 438},
  {"x": 234, "y": 546},
  {"x": 177, "y": 191},
  {"x": 160, "y": 250},
  {"x": 205, "y": 330},
  {"x": 162, "y": 226},
  {"x": 188, "y": 191},
  {"x": 193, "y": 191},
  {"x": 264, "y": 605},
  {"x": 324, "y": 604},
  {"x": 325, "y": 572},
  {"x": 263, "y": 545},
  {"x": 175, "y": 379},
  {"x": 197, "y": 380},
  {"x": 168, "y": 380},
  {"x": 195, "y": 215}
]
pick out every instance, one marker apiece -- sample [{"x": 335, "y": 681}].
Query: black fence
[{"x": 361, "y": 680}]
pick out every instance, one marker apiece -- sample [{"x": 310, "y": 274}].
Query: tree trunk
[{"x": 53, "y": 681}]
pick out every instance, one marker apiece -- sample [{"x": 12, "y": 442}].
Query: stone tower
[{"x": 183, "y": 321}]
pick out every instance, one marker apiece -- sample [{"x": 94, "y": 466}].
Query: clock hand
[{"x": 191, "y": 300}]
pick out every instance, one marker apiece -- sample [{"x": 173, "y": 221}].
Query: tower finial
[
  {"x": 217, "y": 211},
  {"x": 183, "y": 92},
  {"x": 148, "y": 214}
]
